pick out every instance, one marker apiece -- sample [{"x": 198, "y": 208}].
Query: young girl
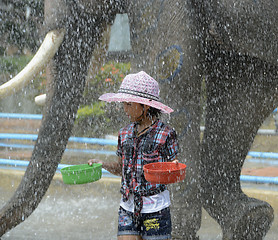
[{"x": 144, "y": 208}]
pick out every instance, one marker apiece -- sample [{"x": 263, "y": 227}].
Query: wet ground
[{"x": 89, "y": 211}]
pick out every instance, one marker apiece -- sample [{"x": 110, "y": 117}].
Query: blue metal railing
[
  {"x": 259, "y": 179},
  {"x": 21, "y": 116},
  {"x": 33, "y": 137},
  {"x": 260, "y": 156},
  {"x": 99, "y": 141},
  {"x": 263, "y": 161},
  {"x": 24, "y": 164},
  {"x": 243, "y": 178},
  {"x": 39, "y": 117},
  {"x": 89, "y": 151},
  {"x": 263, "y": 155}
]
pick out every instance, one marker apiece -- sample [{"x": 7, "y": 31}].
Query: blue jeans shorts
[{"x": 155, "y": 226}]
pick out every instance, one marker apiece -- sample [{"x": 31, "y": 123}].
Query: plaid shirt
[{"x": 158, "y": 144}]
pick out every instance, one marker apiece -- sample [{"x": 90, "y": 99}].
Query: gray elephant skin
[{"x": 232, "y": 44}]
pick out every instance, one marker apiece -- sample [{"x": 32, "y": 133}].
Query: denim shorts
[{"x": 155, "y": 225}]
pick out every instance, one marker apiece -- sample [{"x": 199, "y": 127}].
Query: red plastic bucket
[{"x": 164, "y": 172}]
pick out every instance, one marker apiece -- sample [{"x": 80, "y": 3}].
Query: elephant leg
[
  {"x": 240, "y": 95},
  {"x": 163, "y": 38}
]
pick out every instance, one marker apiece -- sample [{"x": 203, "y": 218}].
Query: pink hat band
[{"x": 140, "y": 88}]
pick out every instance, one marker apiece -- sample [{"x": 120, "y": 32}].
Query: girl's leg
[
  {"x": 157, "y": 225},
  {"x": 127, "y": 229},
  {"x": 129, "y": 237}
]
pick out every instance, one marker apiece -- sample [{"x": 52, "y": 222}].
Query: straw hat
[{"x": 139, "y": 88}]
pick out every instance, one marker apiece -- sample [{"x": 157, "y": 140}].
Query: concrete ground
[{"x": 89, "y": 211}]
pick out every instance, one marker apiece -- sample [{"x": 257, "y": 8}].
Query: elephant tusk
[
  {"x": 49, "y": 47},
  {"x": 40, "y": 100}
]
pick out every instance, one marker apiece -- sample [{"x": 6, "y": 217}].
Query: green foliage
[
  {"x": 10, "y": 66},
  {"x": 89, "y": 119},
  {"x": 95, "y": 118},
  {"x": 97, "y": 109},
  {"x": 108, "y": 79},
  {"x": 13, "y": 64}
]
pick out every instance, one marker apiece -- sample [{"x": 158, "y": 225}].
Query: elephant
[{"x": 228, "y": 45}]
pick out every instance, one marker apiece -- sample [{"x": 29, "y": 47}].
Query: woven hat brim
[{"x": 124, "y": 97}]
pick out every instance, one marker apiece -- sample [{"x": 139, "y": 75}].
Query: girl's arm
[{"x": 112, "y": 167}]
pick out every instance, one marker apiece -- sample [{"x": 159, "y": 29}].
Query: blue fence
[
  {"x": 257, "y": 156},
  {"x": 263, "y": 155},
  {"x": 39, "y": 117},
  {"x": 244, "y": 178},
  {"x": 33, "y": 137},
  {"x": 259, "y": 179},
  {"x": 21, "y": 116},
  {"x": 19, "y": 163},
  {"x": 98, "y": 141},
  {"x": 89, "y": 151}
]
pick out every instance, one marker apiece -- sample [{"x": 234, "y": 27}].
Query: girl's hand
[
  {"x": 91, "y": 161},
  {"x": 112, "y": 167},
  {"x": 176, "y": 161}
]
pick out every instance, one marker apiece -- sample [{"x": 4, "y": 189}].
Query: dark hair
[{"x": 152, "y": 112}]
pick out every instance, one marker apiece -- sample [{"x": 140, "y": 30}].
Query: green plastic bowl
[{"x": 80, "y": 174}]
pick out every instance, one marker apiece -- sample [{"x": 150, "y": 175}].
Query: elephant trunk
[
  {"x": 68, "y": 74},
  {"x": 33, "y": 186}
]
